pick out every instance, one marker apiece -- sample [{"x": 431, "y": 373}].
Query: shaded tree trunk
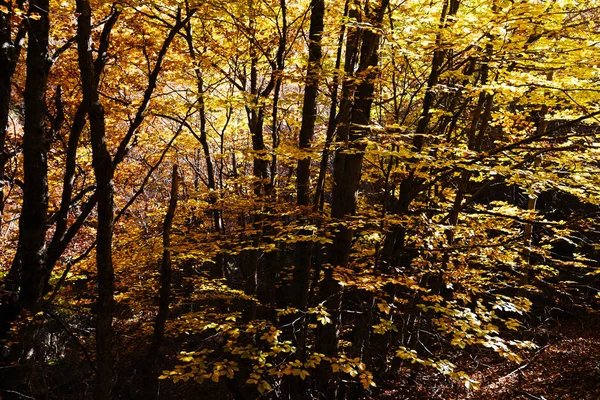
[
  {"x": 164, "y": 293},
  {"x": 55, "y": 250},
  {"x": 263, "y": 186},
  {"x": 347, "y": 175},
  {"x": 318, "y": 200},
  {"x": 59, "y": 246},
  {"x": 103, "y": 171},
  {"x": 30, "y": 260},
  {"x": 309, "y": 115},
  {"x": 526, "y": 271},
  {"x": 218, "y": 271},
  {"x": 10, "y": 51}
]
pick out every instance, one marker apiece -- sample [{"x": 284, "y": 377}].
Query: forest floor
[{"x": 565, "y": 366}]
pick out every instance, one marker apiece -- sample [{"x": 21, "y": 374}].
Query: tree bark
[
  {"x": 318, "y": 200},
  {"x": 103, "y": 171},
  {"x": 309, "y": 114},
  {"x": 59, "y": 246},
  {"x": 347, "y": 175},
  {"x": 30, "y": 260},
  {"x": 164, "y": 293},
  {"x": 54, "y": 249},
  {"x": 263, "y": 186}
]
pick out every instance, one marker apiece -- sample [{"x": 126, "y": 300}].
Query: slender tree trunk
[
  {"x": 9, "y": 55},
  {"x": 7, "y": 64},
  {"x": 256, "y": 116},
  {"x": 263, "y": 186},
  {"x": 164, "y": 293},
  {"x": 10, "y": 51},
  {"x": 202, "y": 138},
  {"x": 327, "y": 336},
  {"x": 219, "y": 267},
  {"x": 103, "y": 171},
  {"x": 260, "y": 172},
  {"x": 309, "y": 114},
  {"x": 409, "y": 188},
  {"x": 54, "y": 249},
  {"x": 165, "y": 268},
  {"x": 528, "y": 236},
  {"x": 331, "y": 123}
]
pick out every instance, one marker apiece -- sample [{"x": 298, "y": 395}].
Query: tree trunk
[
  {"x": 263, "y": 186},
  {"x": 318, "y": 200},
  {"x": 347, "y": 175},
  {"x": 410, "y": 186},
  {"x": 59, "y": 246},
  {"x": 164, "y": 291},
  {"x": 31, "y": 251},
  {"x": 309, "y": 115},
  {"x": 9, "y": 55},
  {"x": 103, "y": 171},
  {"x": 54, "y": 249},
  {"x": 526, "y": 270}
]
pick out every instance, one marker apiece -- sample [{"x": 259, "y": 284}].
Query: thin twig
[{"x": 17, "y": 393}]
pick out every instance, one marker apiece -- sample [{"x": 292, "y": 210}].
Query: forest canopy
[{"x": 293, "y": 199}]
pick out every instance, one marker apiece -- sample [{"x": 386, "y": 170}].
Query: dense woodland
[{"x": 297, "y": 199}]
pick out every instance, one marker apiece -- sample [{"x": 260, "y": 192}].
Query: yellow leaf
[{"x": 303, "y": 374}]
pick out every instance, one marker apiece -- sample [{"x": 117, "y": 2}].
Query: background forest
[{"x": 296, "y": 199}]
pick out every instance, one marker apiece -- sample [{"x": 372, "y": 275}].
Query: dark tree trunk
[
  {"x": 318, "y": 200},
  {"x": 29, "y": 266},
  {"x": 327, "y": 336},
  {"x": 103, "y": 171},
  {"x": 354, "y": 117},
  {"x": 263, "y": 186},
  {"x": 218, "y": 271},
  {"x": 31, "y": 252},
  {"x": 410, "y": 186},
  {"x": 260, "y": 172},
  {"x": 164, "y": 294},
  {"x": 309, "y": 115},
  {"x": 202, "y": 138},
  {"x": 59, "y": 246},
  {"x": 10, "y": 51},
  {"x": 54, "y": 249},
  {"x": 309, "y": 107}
]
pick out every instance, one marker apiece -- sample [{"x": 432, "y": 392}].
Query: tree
[
  {"x": 305, "y": 138},
  {"x": 103, "y": 172},
  {"x": 30, "y": 259},
  {"x": 362, "y": 190}
]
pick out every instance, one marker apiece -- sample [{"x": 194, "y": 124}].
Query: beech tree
[{"x": 366, "y": 192}]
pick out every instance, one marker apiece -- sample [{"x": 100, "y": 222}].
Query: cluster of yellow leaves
[
  {"x": 469, "y": 327},
  {"x": 355, "y": 368},
  {"x": 199, "y": 368}
]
